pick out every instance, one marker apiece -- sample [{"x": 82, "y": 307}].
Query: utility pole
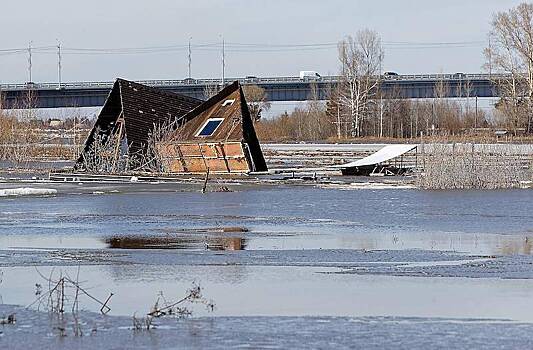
[
  {"x": 380, "y": 101},
  {"x": 381, "y": 117},
  {"x": 190, "y": 57},
  {"x": 490, "y": 58},
  {"x": 59, "y": 63},
  {"x": 223, "y": 62},
  {"x": 338, "y": 120},
  {"x": 476, "y": 115},
  {"x": 30, "y": 61}
]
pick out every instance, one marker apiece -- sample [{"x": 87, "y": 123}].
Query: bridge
[{"x": 93, "y": 94}]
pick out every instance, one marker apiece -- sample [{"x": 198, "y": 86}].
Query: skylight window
[
  {"x": 210, "y": 126},
  {"x": 228, "y": 102}
]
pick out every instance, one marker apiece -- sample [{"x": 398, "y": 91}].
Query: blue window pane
[{"x": 210, "y": 127}]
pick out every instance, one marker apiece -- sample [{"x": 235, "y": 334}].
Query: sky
[{"x": 263, "y": 38}]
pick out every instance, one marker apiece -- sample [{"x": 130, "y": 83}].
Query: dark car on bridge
[{"x": 391, "y": 75}]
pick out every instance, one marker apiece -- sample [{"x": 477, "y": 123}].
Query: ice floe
[
  {"x": 368, "y": 186},
  {"x": 27, "y": 191}
]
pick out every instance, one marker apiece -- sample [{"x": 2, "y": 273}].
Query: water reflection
[
  {"x": 182, "y": 274},
  {"x": 191, "y": 242},
  {"x": 482, "y": 243},
  {"x": 524, "y": 247}
]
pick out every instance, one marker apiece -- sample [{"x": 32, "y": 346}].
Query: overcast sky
[{"x": 410, "y": 30}]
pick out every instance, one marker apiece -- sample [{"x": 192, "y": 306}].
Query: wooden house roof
[
  {"x": 230, "y": 108},
  {"x": 142, "y": 107}
]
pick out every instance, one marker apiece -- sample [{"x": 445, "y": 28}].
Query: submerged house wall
[{"x": 217, "y": 136}]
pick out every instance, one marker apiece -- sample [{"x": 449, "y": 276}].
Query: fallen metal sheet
[{"x": 383, "y": 155}]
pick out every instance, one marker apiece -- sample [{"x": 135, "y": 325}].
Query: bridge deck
[{"x": 93, "y": 94}]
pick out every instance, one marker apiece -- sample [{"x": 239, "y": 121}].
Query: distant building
[
  {"x": 55, "y": 123},
  {"x": 501, "y": 133}
]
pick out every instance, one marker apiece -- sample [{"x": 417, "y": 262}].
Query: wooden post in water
[
  {"x": 205, "y": 181},
  {"x": 423, "y": 151}
]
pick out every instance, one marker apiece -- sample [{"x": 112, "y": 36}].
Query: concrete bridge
[{"x": 93, "y": 94}]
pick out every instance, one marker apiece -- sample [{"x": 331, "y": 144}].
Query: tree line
[{"x": 357, "y": 107}]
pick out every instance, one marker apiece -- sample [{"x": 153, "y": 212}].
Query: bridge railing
[{"x": 247, "y": 80}]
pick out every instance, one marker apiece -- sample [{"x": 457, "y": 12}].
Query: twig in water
[
  {"x": 194, "y": 295},
  {"x": 58, "y": 298}
]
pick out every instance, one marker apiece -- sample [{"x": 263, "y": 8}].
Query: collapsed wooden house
[
  {"x": 218, "y": 136},
  {"x": 128, "y": 117}
]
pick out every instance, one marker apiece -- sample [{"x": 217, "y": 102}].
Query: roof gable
[
  {"x": 225, "y": 108},
  {"x": 230, "y": 106},
  {"x": 144, "y": 107}
]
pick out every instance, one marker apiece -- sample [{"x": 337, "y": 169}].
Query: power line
[
  {"x": 237, "y": 47},
  {"x": 225, "y": 47},
  {"x": 448, "y": 43}
]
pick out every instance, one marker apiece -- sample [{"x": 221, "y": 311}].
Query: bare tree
[
  {"x": 318, "y": 126},
  {"x": 211, "y": 90},
  {"x": 511, "y": 52},
  {"x": 257, "y": 100},
  {"x": 361, "y": 58},
  {"x": 310, "y": 122},
  {"x": 104, "y": 154}
]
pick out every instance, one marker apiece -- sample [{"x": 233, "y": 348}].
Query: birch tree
[
  {"x": 511, "y": 52},
  {"x": 361, "y": 58}
]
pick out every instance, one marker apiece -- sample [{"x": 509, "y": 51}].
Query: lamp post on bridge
[
  {"x": 30, "y": 63},
  {"x": 223, "y": 62},
  {"x": 59, "y": 63},
  {"x": 190, "y": 57}
]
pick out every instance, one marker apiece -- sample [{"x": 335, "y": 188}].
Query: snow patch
[
  {"x": 27, "y": 191},
  {"x": 526, "y": 184}
]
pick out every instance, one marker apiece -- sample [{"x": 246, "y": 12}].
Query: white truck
[{"x": 309, "y": 75}]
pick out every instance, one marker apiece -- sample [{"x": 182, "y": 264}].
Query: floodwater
[
  {"x": 274, "y": 218},
  {"x": 409, "y": 260}
]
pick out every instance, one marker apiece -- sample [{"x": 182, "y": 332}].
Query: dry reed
[{"x": 475, "y": 166}]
